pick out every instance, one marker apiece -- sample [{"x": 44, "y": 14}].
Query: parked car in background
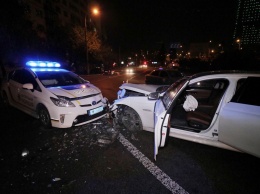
[
  {"x": 108, "y": 72},
  {"x": 111, "y": 72},
  {"x": 163, "y": 76},
  {"x": 220, "y": 109},
  {"x": 57, "y": 97}
]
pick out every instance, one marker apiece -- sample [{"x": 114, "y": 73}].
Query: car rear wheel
[
  {"x": 130, "y": 119},
  {"x": 44, "y": 117}
]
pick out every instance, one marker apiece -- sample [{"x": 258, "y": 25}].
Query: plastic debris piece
[
  {"x": 134, "y": 138},
  {"x": 104, "y": 141},
  {"x": 25, "y": 152},
  {"x": 99, "y": 123},
  {"x": 56, "y": 179}
]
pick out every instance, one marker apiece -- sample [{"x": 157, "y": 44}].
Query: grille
[
  {"x": 86, "y": 117},
  {"x": 86, "y": 105}
]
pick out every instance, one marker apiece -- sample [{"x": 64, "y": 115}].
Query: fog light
[{"x": 62, "y": 118}]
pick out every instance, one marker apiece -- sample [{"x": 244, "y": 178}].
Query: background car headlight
[
  {"x": 62, "y": 102},
  {"x": 129, "y": 70}
]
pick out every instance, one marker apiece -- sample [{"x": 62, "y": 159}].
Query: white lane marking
[{"x": 157, "y": 172}]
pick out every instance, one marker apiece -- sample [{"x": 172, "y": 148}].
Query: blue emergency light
[
  {"x": 43, "y": 64},
  {"x": 47, "y": 69}
]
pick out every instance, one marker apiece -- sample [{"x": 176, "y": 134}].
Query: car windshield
[
  {"x": 59, "y": 78},
  {"x": 172, "y": 92}
]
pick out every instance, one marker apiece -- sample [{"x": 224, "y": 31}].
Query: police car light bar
[{"x": 42, "y": 64}]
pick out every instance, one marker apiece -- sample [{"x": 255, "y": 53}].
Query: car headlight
[
  {"x": 129, "y": 70},
  {"x": 62, "y": 102}
]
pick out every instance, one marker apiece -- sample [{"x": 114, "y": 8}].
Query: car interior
[{"x": 208, "y": 95}]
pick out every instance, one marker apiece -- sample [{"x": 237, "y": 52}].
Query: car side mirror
[
  {"x": 153, "y": 96},
  {"x": 28, "y": 86}
]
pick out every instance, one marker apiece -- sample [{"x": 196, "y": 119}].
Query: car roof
[
  {"x": 225, "y": 72},
  {"x": 165, "y": 69}
]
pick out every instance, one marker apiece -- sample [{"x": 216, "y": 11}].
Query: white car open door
[
  {"x": 161, "y": 131},
  {"x": 162, "y": 114}
]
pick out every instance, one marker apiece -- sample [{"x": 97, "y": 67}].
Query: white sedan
[
  {"x": 58, "y": 97},
  {"x": 220, "y": 109}
]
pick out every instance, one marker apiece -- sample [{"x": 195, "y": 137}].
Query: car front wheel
[
  {"x": 130, "y": 119},
  {"x": 44, "y": 117}
]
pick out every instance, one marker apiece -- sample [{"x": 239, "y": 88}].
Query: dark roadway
[{"x": 99, "y": 158}]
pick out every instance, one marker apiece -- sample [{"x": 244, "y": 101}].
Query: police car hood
[
  {"x": 73, "y": 91},
  {"x": 141, "y": 88}
]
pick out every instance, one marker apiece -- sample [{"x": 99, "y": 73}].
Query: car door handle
[{"x": 191, "y": 91}]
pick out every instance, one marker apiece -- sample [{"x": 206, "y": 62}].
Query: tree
[
  {"x": 106, "y": 55},
  {"x": 98, "y": 51},
  {"x": 78, "y": 38}
]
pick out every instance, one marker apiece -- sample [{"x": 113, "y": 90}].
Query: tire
[
  {"x": 130, "y": 119},
  {"x": 44, "y": 117}
]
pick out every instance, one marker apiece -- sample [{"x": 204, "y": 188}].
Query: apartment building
[{"x": 247, "y": 26}]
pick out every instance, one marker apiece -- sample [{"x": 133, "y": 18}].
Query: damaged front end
[{"x": 125, "y": 117}]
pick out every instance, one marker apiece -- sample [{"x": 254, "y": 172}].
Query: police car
[{"x": 57, "y": 97}]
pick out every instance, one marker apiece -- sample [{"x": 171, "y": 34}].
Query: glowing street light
[{"x": 95, "y": 11}]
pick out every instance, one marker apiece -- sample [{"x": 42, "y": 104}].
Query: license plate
[{"x": 95, "y": 110}]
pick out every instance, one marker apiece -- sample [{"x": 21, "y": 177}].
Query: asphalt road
[{"x": 101, "y": 158}]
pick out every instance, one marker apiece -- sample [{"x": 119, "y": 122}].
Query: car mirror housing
[{"x": 153, "y": 96}]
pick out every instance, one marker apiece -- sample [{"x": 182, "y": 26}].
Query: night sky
[{"x": 144, "y": 24}]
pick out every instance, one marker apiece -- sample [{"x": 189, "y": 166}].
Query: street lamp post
[
  {"x": 95, "y": 11},
  {"x": 239, "y": 44},
  {"x": 86, "y": 42}
]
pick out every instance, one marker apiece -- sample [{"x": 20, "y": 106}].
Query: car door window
[
  {"x": 175, "y": 74},
  {"x": 163, "y": 74},
  {"x": 203, "y": 91},
  {"x": 240, "y": 83},
  {"x": 18, "y": 76},
  {"x": 23, "y": 76},
  {"x": 172, "y": 91},
  {"x": 155, "y": 73},
  {"x": 247, "y": 93}
]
